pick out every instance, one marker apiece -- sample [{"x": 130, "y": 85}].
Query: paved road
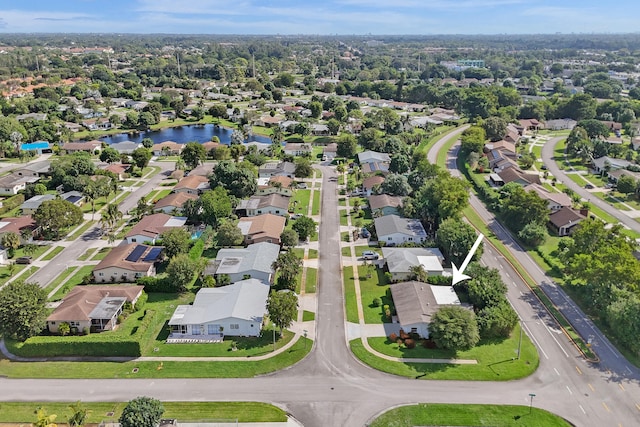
[
  {"x": 331, "y": 388},
  {"x": 50, "y": 271},
  {"x": 548, "y": 153}
]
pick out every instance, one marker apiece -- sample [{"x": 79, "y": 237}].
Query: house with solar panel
[
  {"x": 150, "y": 227},
  {"x": 235, "y": 310},
  {"x": 128, "y": 262}
]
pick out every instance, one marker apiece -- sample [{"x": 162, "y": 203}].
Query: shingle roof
[
  {"x": 258, "y": 257},
  {"x": 373, "y": 156},
  {"x": 154, "y": 225},
  {"x": 15, "y": 225},
  {"x": 383, "y": 200},
  {"x": 192, "y": 182},
  {"x": 372, "y": 181},
  {"x": 415, "y": 302},
  {"x": 175, "y": 200},
  {"x": 244, "y": 300},
  {"x": 260, "y": 226},
  {"x": 117, "y": 258},
  {"x": 391, "y": 224},
  {"x": 560, "y": 198},
  {"x": 400, "y": 260},
  {"x": 564, "y": 217},
  {"x": 82, "y": 300}
]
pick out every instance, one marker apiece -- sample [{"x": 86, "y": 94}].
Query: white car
[{"x": 370, "y": 255}]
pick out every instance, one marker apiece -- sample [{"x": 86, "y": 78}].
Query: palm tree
[
  {"x": 79, "y": 414},
  {"x": 45, "y": 420},
  {"x": 11, "y": 241},
  {"x": 110, "y": 217}
]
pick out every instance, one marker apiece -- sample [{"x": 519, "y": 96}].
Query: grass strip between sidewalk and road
[
  {"x": 445, "y": 414},
  {"x": 246, "y": 412},
  {"x": 52, "y": 254}
]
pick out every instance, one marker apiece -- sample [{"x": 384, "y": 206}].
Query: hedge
[
  {"x": 91, "y": 345},
  {"x": 196, "y": 251},
  {"x": 11, "y": 203}
]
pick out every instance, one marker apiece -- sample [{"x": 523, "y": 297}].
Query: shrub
[
  {"x": 439, "y": 280},
  {"x": 141, "y": 301},
  {"x": 404, "y": 335},
  {"x": 11, "y": 203},
  {"x": 393, "y": 337},
  {"x": 90, "y": 345},
  {"x": 377, "y": 302},
  {"x": 410, "y": 343}
]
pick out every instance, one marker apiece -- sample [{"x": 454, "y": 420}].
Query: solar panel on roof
[
  {"x": 73, "y": 199},
  {"x": 137, "y": 252},
  {"x": 153, "y": 254}
]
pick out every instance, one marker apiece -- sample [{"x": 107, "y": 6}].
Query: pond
[{"x": 183, "y": 134}]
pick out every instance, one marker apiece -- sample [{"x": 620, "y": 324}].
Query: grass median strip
[
  {"x": 350, "y": 295},
  {"x": 52, "y": 254}
]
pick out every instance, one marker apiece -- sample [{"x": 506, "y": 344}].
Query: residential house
[
  {"x": 275, "y": 185},
  {"x": 118, "y": 169},
  {"x": 529, "y": 125},
  {"x": 375, "y": 167},
  {"x": 517, "y": 175},
  {"x": 268, "y": 121},
  {"x": 92, "y": 147},
  {"x": 93, "y": 308},
  {"x": 127, "y": 262},
  {"x": 29, "y": 207},
  {"x": 136, "y": 105},
  {"x": 126, "y": 147},
  {"x": 615, "y": 175},
  {"x": 270, "y": 169},
  {"x": 11, "y": 184},
  {"x": 330, "y": 151},
  {"x": 34, "y": 169},
  {"x": 173, "y": 202},
  {"x": 275, "y": 204},
  {"x": 262, "y": 147},
  {"x": 262, "y": 228},
  {"x": 555, "y": 200},
  {"x": 373, "y": 157},
  {"x": 234, "y": 310},
  {"x": 384, "y": 204},
  {"x": 100, "y": 123},
  {"x": 318, "y": 129},
  {"x": 605, "y": 164},
  {"x": 565, "y": 220},
  {"x": 23, "y": 226},
  {"x": 40, "y": 117},
  {"x": 150, "y": 227},
  {"x": 394, "y": 230},
  {"x": 371, "y": 183},
  {"x": 204, "y": 169},
  {"x": 297, "y": 149},
  {"x": 560, "y": 124},
  {"x": 38, "y": 147},
  {"x": 254, "y": 261},
  {"x": 399, "y": 261},
  {"x": 167, "y": 148},
  {"x": 192, "y": 184},
  {"x": 416, "y": 303}
]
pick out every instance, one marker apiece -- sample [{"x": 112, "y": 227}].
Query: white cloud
[{"x": 199, "y": 7}]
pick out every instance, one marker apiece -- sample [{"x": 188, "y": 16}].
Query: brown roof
[
  {"x": 204, "y": 169},
  {"x": 210, "y": 145},
  {"x": 275, "y": 200},
  {"x": 330, "y": 148},
  {"x": 372, "y": 181},
  {"x": 116, "y": 168},
  {"x": 514, "y": 174},
  {"x": 191, "y": 182},
  {"x": 87, "y": 145},
  {"x": 559, "y": 198},
  {"x": 117, "y": 258},
  {"x": 150, "y": 225},
  {"x": 284, "y": 180},
  {"x": 175, "y": 200},
  {"x": 173, "y": 146},
  {"x": 565, "y": 216},
  {"x": 383, "y": 200},
  {"x": 265, "y": 225},
  {"x": 15, "y": 225},
  {"x": 80, "y": 302}
]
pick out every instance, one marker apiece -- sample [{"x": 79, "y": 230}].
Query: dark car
[
  {"x": 24, "y": 260},
  {"x": 589, "y": 187}
]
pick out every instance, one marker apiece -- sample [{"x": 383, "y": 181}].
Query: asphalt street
[{"x": 331, "y": 388}]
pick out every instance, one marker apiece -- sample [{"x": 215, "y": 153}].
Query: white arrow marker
[{"x": 458, "y": 275}]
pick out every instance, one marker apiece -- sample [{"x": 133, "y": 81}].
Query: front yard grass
[
  {"x": 59, "y": 279},
  {"x": 445, "y": 414},
  {"x": 313, "y": 253},
  {"x": 87, "y": 254},
  {"x": 99, "y": 256},
  {"x": 373, "y": 284},
  {"x": 315, "y": 209},
  {"x": 52, "y": 254},
  {"x": 300, "y": 201},
  {"x": 21, "y": 412},
  {"x": 312, "y": 280},
  {"x": 350, "y": 295},
  {"x": 496, "y": 359}
]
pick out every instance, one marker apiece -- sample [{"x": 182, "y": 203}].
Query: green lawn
[
  {"x": 87, "y": 254},
  {"x": 315, "y": 209},
  {"x": 312, "y": 281},
  {"x": 99, "y": 256},
  {"x": 59, "y": 279},
  {"x": 300, "y": 201},
  {"x": 344, "y": 217},
  {"x": 40, "y": 249},
  {"x": 442, "y": 414},
  {"x": 441, "y": 160},
  {"x": 373, "y": 284},
  {"x": 346, "y": 251},
  {"x": 313, "y": 253},
  {"x": 496, "y": 360},
  {"x": 52, "y": 254},
  {"x": 308, "y": 316},
  {"x": 248, "y": 412},
  {"x": 350, "y": 295},
  {"x": 82, "y": 230}
]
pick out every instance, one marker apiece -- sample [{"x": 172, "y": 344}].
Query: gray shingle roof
[
  {"x": 258, "y": 257},
  {"x": 391, "y": 224},
  {"x": 400, "y": 260},
  {"x": 245, "y": 300}
]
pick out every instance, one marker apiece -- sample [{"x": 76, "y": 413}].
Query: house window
[
  {"x": 195, "y": 330},
  {"x": 410, "y": 239},
  {"x": 234, "y": 326},
  {"x": 53, "y": 323},
  {"x": 133, "y": 240},
  {"x": 213, "y": 329},
  {"x": 414, "y": 330},
  {"x": 259, "y": 212},
  {"x": 389, "y": 238},
  {"x": 277, "y": 212},
  {"x": 101, "y": 274}
]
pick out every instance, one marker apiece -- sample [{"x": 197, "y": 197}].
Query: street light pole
[
  {"x": 531, "y": 395},
  {"x": 520, "y": 339},
  {"x": 305, "y": 339}
]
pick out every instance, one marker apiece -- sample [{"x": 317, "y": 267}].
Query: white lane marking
[
  {"x": 582, "y": 409},
  {"x": 552, "y": 336},
  {"x": 630, "y": 371},
  {"x": 556, "y": 371},
  {"x": 568, "y": 389},
  {"x": 534, "y": 338}
]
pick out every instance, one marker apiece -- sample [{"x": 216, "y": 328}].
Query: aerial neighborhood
[{"x": 200, "y": 207}]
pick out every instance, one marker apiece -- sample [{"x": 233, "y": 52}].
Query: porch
[{"x": 178, "y": 338}]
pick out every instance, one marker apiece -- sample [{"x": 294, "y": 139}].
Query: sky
[{"x": 323, "y": 17}]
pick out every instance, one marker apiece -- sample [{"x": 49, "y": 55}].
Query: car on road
[
  {"x": 370, "y": 255},
  {"x": 24, "y": 260}
]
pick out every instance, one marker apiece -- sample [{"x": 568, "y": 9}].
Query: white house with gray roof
[
  {"x": 254, "y": 261},
  {"x": 234, "y": 310},
  {"x": 373, "y": 157},
  {"x": 399, "y": 261},
  {"x": 394, "y": 230}
]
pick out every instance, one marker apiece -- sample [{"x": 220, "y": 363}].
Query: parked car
[
  {"x": 370, "y": 255},
  {"x": 296, "y": 216},
  {"x": 589, "y": 187},
  {"x": 24, "y": 260}
]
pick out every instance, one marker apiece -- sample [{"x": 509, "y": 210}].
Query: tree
[
  {"x": 288, "y": 265},
  {"x": 303, "y": 168},
  {"x": 176, "y": 241},
  {"x": 454, "y": 328},
  {"x": 472, "y": 140},
  {"x": 533, "y": 234},
  {"x": 520, "y": 207},
  {"x": 282, "y": 307},
  {"x": 396, "y": 185},
  {"x": 193, "y": 153},
  {"x": 142, "y": 412},
  {"x": 305, "y": 227},
  {"x": 581, "y": 106},
  {"x": 594, "y": 128},
  {"x": 56, "y": 215},
  {"x": 400, "y": 163},
  {"x": 316, "y": 109},
  {"x": 627, "y": 184},
  {"x": 110, "y": 217},
  {"x": 43, "y": 419},
  {"x": 10, "y": 241},
  {"x": 347, "y": 146},
  {"x": 495, "y": 128},
  {"x": 23, "y": 312},
  {"x": 289, "y": 238},
  {"x": 79, "y": 414},
  {"x": 229, "y": 234},
  {"x": 455, "y": 239},
  {"x": 237, "y": 179},
  {"x": 147, "y": 143},
  {"x": 216, "y": 205},
  {"x": 109, "y": 155},
  {"x": 485, "y": 288},
  {"x": 141, "y": 157},
  {"x": 497, "y": 321},
  {"x": 181, "y": 271},
  {"x": 64, "y": 328}
]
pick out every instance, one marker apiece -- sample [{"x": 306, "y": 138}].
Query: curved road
[{"x": 331, "y": 388}]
